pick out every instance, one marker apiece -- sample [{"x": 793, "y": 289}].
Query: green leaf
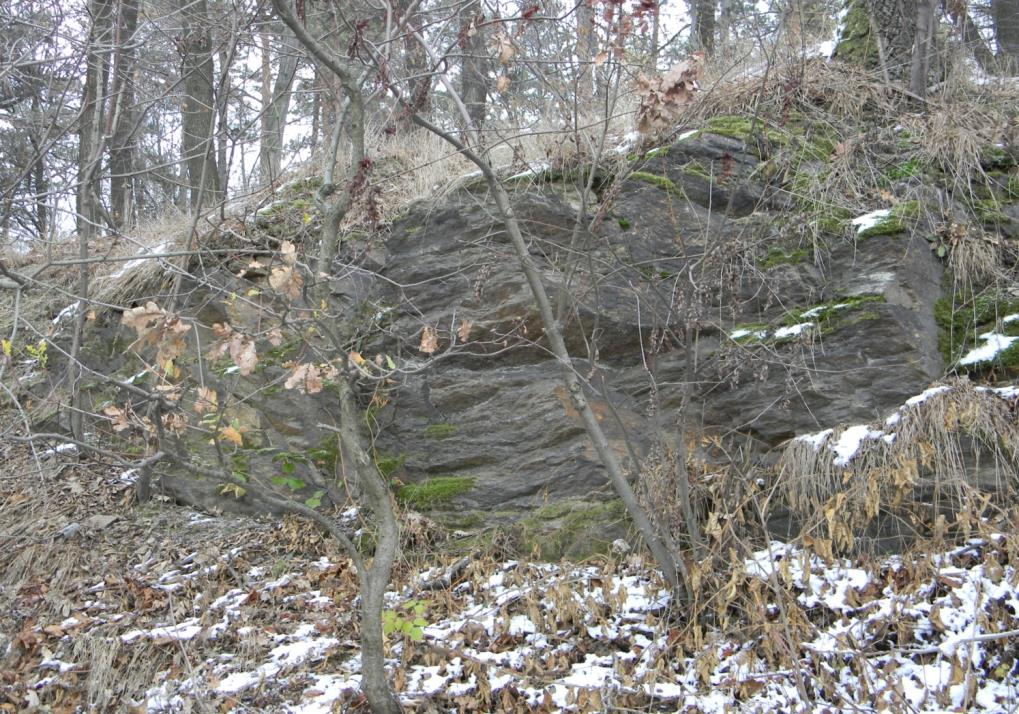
[
  {"x": 315, "y": 500},
  {"x": 942, "y": 250},
  {"x": 294, "y": 484}
]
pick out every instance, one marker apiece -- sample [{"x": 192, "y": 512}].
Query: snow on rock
[
  {"x": 849, "y": 440},
  {"x": 792, "y": 330},
  {"x": 869, "y": 220},
  {"x": 994, "y": 344}
]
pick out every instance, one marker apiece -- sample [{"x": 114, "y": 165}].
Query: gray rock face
[
  {"x": 667, "y": 271},
  {"x": 514, "y": 433}
]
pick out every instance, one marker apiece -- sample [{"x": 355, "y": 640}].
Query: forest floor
[{"x": 110, "y": 606}]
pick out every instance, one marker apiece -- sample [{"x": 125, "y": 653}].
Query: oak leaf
[
  {"x": 429, "y": 340},
  {"x": 305, "y": 378},
  {"x": 242, "y": 352},
  {"x": 287, "y": 281}
]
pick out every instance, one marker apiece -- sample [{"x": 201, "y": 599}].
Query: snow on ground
[
  {"x": 926, "y": 635},
  {"x": 846, "y": 446}
]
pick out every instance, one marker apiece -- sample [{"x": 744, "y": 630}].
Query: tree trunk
[
  {"x": 922, "y": 46},
  {"x": 1005, "y": 14},
  {"x": 703, "y": 34},
  {"x": 586, "y": 46},
  {"x": 122, "y": 117},
  {"x": 92, "y": 115},
  {"x": 275, "y": 102},
  {"x": 474, "y": 68},
  {"x": 891, "y": 47},
  {"x": 198, "y": 106}
]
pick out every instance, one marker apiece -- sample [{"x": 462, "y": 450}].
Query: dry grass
[{"x": 947, "y": 449}]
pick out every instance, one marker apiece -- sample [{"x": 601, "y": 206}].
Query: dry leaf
[
  {"x": 275, "y": 337},
  {"x": 305, "y": 378},
  {"x": 504, "y": 49},
  {"x": 503, "y": 83},
  {"x": 288, "y": 253},
  {"x": 464, "y": 331},
  {"x": 228, "y": 433},
  {"x": 207, "y": 401},
  {"x": 118, "y": 417},
  {"x": 429, "y": 340},
  {"x": 600, "y": 58},
  {"x": 143, "y": 318},
  {"x": 287, "y": 281},
  {"x": 662, "y": 98},
  {"x": 242, "y": 352}
]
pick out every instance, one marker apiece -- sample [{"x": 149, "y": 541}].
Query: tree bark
[
  {"x": 585, "y": 49},
  {"x": 275, "y": 102},
  {"x": 922, "y": 46},
  {"x": 198, "y": 106},
  {"x": 92, "y": 116},
  {"x": 879, "y": 34},
  {"x": 122, "y": 117},
  {"x": 703, "y": 34},
  {"x": 1005, "y": 14},
  {"x": 474, "y": 65}
]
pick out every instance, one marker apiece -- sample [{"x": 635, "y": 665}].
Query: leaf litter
[{"x": 222, "y": 612}]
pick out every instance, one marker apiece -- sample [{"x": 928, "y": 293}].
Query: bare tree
[{"x": 275, "y": 97}]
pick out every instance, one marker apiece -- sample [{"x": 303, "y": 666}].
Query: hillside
[{"x": 793, "y": 314}]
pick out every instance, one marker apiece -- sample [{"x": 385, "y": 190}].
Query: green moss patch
[
  {"x": 662, "y": 182},
  {"x": 388, "y": 465},
  {"x": 572, "y": 530},
  {"x": 962, "y": 320},
  {"x": 440, "y": 431},
  {"x": 834, "y": 313},
  {"x": 434, "y": 492},
  {"x": 780, "y": 256}
]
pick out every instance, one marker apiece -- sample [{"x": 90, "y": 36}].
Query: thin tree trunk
[
  {"x": 703, "y": 35},
  {"x": 122, "y": 117},
  {"x": 586, "y": 45},
  {"x": 275, "y": 102},
  {"x": 921, "y": 48},
  {"x": 92, "y": 116},
  {"x": 474, "y": 66}
]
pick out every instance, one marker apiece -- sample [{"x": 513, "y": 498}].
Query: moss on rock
[{"x": 433, "y": 492}]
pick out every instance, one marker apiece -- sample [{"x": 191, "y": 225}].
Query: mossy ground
[{"x": 571, "y": 530}]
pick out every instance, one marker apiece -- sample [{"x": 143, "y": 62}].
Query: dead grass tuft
[{"x": 955, "y": 444}]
